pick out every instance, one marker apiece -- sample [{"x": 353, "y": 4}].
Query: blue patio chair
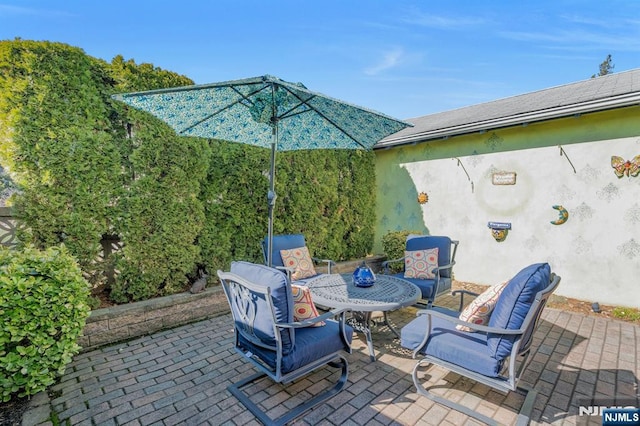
[
  {"x": 495, "y": 354},
  {"x": 281, "y": 349},
  {"x": 442, "y": 273},
  {"x": 288, "y": 242}
]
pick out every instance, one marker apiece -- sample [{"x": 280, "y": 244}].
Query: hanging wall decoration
[
  {"x": 499, "y": 230},
  {"x": 563, "y": 152},
  {"x": 621, "y": 167},
  {"x": 563, "y": 215},
  {"x": 423, "y": 198},
  {"x": 465, "y": 171}
]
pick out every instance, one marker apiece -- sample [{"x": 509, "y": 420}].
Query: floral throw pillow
[
  {"x": 420, "y": 263},
  {"x": 299, "y": 261},
  {"x": 303, "y": 307},
  {"x": 479, "y": 311}
]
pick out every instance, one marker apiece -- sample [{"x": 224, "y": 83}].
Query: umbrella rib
[
  {"x": 288, "y": 114},
  {"x": 305, "y": 102},
  {"x": 213, "y": 114}
]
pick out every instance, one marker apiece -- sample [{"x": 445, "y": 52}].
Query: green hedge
[
  {"x": 89, "y": 167},
  {"x": 162, "y": 215},
  {"x": 60, "y": 146},
  {"x": 324, "y": 194}
]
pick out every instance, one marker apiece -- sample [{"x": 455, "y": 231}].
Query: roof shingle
[{"x": 596, "y": 94}]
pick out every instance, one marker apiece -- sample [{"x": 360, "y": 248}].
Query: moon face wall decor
[{"x": 563, "y": 215}]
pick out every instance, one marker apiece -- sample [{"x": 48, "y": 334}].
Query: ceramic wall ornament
[
  {"x": 499, "y": 230},
  {"x": 423, "y": 198},
  {"x": 563, "y": 215},
  {"x": 621, "y": 167}
]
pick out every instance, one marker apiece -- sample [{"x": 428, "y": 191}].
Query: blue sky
[{"x": 402, "y": 58}]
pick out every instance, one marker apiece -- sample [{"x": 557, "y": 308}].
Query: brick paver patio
[{"x": 179, "y": 377}]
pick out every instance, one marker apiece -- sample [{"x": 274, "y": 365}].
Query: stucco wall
[{"x": 596, "y": 252}]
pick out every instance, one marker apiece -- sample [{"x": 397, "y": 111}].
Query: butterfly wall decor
[{"x": 629, "y": 168}]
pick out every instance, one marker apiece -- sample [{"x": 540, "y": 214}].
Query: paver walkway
[{"x": 179, "y": 377}]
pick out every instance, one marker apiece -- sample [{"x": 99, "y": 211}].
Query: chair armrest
[
  {"x": 288, "y": 271},
  {"x": 443, "y": 267},
  {"x": 385, "y": 264},
  {"x": 312, "y": 321},
  {"x": 462, "y": 294},
  {"x": 475, "y": 327},
  {"x": 329, "y": 263}
]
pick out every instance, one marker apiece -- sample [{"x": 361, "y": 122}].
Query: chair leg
[
  {"x": 524, "y": 415},
  {"x": 298, "y": 411}
]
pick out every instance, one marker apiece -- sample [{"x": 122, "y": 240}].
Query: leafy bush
[
  {"x": 393, "y": 244},
  {"x": 43, "y": 308}
]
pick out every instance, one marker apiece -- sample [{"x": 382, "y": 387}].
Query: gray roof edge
[{"x": 624, "y": 100}]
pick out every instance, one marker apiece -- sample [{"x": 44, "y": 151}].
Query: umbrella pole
[{"x": 271, "y": 196}]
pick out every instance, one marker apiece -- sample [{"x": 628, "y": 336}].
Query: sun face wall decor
[{"x": 423, "y": 198}]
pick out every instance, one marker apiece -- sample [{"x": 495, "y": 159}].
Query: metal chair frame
[
  {"x": 428, "y": 303},
  {"x": 509, "y": 379},
  {"x": 316, "y": 260},
  {"x": 242, "y": 294}
]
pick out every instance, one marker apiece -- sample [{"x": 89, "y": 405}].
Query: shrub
[
  {"x": 43, "y": 308},
  {"x": 393, "y": 244}
]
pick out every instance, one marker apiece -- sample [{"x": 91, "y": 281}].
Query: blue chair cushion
[
  {"x": 312, "y": 343},
  {"x": 283, "y": 242},
  {"x": 422, "y": 242},
  {"x": 427, "y": 286},
  {"x": 468, "y": 350},
  {"x": 281, "y": 297},
  {"x": 514, "y": 304}
]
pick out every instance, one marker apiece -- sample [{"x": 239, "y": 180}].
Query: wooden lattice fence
[
  {"x": 8, "y": 225},
  {"x": 110, "y": 244}
]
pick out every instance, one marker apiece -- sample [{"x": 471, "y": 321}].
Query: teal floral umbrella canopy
[{"x": 268, "y": 112}]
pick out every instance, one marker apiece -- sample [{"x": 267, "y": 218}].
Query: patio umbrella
[{"x": 268, "y": 112}]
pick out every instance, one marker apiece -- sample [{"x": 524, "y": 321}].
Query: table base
[{"x": 360, "y": 321}]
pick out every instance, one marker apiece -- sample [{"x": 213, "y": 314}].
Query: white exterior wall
[{"x": 596, "y": 252}]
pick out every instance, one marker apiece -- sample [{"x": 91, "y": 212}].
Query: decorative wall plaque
[{"x": 503, "y": 178}]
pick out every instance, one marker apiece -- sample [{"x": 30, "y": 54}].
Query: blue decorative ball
[{"x": 363, "y": 276}]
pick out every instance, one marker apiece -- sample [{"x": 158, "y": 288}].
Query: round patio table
[{"x": 387, "y": 294}]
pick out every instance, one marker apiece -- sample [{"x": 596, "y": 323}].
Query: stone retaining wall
[{"x": 122, "y": 322}]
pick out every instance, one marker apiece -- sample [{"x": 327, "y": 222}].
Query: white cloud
[
  {"x": 443, "y": 22},
  {"x": 10, "y": 10},
  {"x": 390, "y": 59}
]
